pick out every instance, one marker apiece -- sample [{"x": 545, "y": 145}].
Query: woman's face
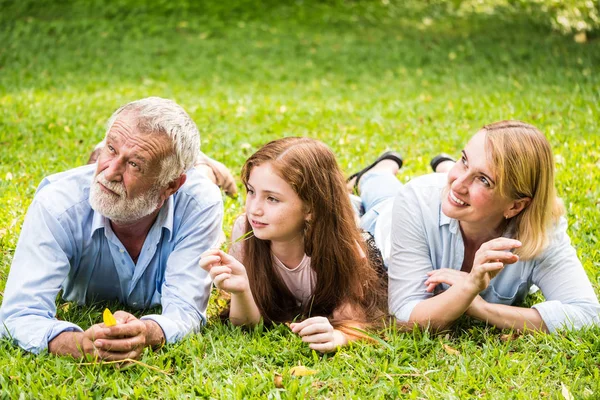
[
  {"x": 273, "y": 208},
  {"x": 472, "y": 196}
]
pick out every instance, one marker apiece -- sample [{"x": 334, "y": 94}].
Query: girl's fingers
[
  {"x": 318, "y": 338},
  {"x": 216, "y": 271},
  {"x": 206, "y": 262},
  {"x": 209, "y": 252},
  {"x": 300, "y": 326},
  {"x": 220, "y": 278},
  {"x": 315, "y": 329},
  {"x": 322, "y": 347}
]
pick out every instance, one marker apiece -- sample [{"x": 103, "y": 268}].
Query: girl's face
[
  {"x": 273, "y": 209},
  {"x": 472, "y": 196}
]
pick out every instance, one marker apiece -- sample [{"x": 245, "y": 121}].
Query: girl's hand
[
  {"x": 319, "y": 333},
  {"x": 226, "y": 272},
  {"x": 490, "y": 260},
  {"x": 448, "y": 276}
]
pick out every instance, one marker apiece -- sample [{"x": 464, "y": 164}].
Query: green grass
[{"x": 361, "y": 76}]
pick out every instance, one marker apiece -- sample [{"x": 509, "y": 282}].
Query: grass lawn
[{"x": 363, "y": 77}]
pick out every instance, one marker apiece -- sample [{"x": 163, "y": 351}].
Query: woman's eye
[
  {"x": 249, "y": 191},
  {"x": 272, "y": 199}
]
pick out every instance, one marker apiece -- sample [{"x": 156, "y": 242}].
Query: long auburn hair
[
  {"x": 521, "y": 158},
  {"x": 332, "y": 240}
]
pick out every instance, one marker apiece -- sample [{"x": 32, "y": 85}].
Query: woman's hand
[
  {"x": 226, "y": 272},
  {"x": 448, "y": 276},
  {"x": 320, "y": 334},
  {"x": 490, "y": 260}
]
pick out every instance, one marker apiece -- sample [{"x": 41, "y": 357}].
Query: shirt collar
[
  {"x": 446, "y": 220},
  {"x": 163, "y": 220}
]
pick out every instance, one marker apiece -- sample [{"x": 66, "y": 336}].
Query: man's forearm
[{"x": 74, "y": 344}]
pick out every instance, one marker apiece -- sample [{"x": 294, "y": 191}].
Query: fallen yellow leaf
[
  {"x": 451, "y": 350},
  {"x": 109, "y": 319},
  {"x": 302, "y": 371}
]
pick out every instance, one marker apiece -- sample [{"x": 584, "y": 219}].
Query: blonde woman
[{"x": 475, "y": 239}]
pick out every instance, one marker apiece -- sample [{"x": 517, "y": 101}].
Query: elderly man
[{"x": 129, "y": 228}]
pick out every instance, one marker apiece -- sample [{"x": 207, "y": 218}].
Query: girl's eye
[
  {"x": 272, "y": 199},
  {"x": 249, "y": 191},
  {"x": 485, "y": 181}
]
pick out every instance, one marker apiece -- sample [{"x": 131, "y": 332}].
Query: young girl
[{"x": 304, "y": 258}]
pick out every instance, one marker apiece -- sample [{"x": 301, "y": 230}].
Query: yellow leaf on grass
[
  {"x": 109, "y": 319},
  {"x": 451, "y": 350},
  {"x": 302, "y": 371}
]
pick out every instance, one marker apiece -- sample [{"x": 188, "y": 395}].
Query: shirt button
[{"x": 122, "y": 250}]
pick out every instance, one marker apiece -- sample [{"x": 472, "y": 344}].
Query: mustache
[{"x": 117, "y": 187}]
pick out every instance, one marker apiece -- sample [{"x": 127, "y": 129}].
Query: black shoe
[
  {"x": 388, "y": 155},
  {"x": 437, "y": 160}
]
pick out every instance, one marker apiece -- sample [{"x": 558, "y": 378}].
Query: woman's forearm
[
  {"x": 243, "y": 309},
  {"x": 439, "y": 312},
  {"x": 507, "y": 317}
]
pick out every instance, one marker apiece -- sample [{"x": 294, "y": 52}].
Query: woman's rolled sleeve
[
  {"x": 570, "y": 299},
  {"x": 410, "y": 257}
]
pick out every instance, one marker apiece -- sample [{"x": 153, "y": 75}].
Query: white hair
[{"x": 155, "y": 115}]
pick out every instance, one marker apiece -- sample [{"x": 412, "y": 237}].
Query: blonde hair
[{"x": 521, "y": 159}]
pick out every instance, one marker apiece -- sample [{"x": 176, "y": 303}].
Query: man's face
[{"x": 124, "y": 188}]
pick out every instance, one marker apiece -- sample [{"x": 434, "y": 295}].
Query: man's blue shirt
[{"x": 64, "y": 244}]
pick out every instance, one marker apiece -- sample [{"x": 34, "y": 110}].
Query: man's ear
[
  {"x": 517, "y": 206},
  {"x": 174, "y": 185}
]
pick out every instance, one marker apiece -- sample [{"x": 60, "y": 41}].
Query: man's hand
[{"x": 125, "y": 340}]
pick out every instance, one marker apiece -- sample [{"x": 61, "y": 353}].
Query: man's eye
[
  {"x": 110, "y": 148},
  {"x": 463, "y": 160},
  {"x": 133, "y": 164}
]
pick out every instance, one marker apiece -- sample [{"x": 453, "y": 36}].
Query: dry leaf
[
  {"x": 565, "y": 392},
  {"x": 302, "y": 371},
  {"x": 109, "y": 319},
  {"x": 278, "y": 381},
  {"x": 451, "y": 350}
]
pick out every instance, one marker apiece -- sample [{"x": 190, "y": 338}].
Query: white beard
[{"x": 121, "y": 209}]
